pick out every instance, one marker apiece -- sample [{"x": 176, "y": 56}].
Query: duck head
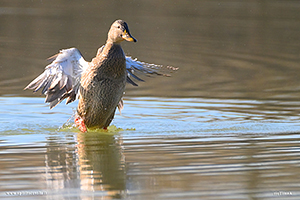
[{"x": 119, "y": 32}]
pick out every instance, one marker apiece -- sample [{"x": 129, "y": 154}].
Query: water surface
[
  {"x": 225, "y": 126},
  {"x": 195, "y": 148}
]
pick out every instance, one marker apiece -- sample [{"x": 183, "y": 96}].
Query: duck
[{"x": 99, "y": 85}]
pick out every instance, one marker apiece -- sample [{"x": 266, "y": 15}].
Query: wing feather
[
  {"x": 137, "y": 68},
  {"x": 61, "y": 78}
]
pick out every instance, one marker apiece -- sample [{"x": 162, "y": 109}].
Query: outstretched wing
[
  {"x": 61, "y": 78},
  {"x": 137, "y": 68}
]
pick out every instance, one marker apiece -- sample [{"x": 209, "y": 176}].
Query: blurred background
[{"x": 225, "y": 49}]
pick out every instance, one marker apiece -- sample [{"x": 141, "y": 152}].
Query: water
[
  {"x": 195, "y": 148},
  {"x": 225, "y": 126}
]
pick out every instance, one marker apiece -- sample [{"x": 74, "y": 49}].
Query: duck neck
[
  {"x": 111, "y": 60},
  {"x": 109, "y": 46}
]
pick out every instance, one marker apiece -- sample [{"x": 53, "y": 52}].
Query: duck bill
[{"x": 128, "y": 37}]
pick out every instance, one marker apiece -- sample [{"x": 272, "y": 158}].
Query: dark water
[{"x": 225, "y": 126}]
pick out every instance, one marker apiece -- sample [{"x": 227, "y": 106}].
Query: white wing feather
[
  {"x": 137, "y": 68},
  {"x": 61, "y": 78}
]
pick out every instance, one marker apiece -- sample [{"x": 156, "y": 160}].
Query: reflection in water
[
  {"x": 228, "y": 166},
  {"x": 61, "y": 165},
  {"x": 95, "y": 163},
  {"x": 180, "y": 148},
  {"x": 209, "y": 166},
  {"x": 101, "y": 161}
]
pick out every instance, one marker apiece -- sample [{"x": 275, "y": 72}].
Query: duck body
[
  {"x": 99, "y": 85},
  {"x": 103, "y": 82},
  {"x": 102, "y": 87}
]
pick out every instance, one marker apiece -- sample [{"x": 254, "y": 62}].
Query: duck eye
[{"x": 118, "y": 26}]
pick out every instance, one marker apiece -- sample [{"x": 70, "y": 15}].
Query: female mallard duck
[{"x": 99, "y": 85}]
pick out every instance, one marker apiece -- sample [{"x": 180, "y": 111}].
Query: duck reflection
[{"x": 94, "y": 162}]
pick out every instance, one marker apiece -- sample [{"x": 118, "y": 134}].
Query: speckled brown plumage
[
  {"x": 103, "y": 83},
  {"x": 99, "y": 85}
]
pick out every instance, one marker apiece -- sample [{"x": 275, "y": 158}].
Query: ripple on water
[
  {"x": 161, "y": 116},
  {"x": 157, "y": 148}
]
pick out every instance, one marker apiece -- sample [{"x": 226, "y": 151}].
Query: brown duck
[{"x": 99, "y": 85}]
